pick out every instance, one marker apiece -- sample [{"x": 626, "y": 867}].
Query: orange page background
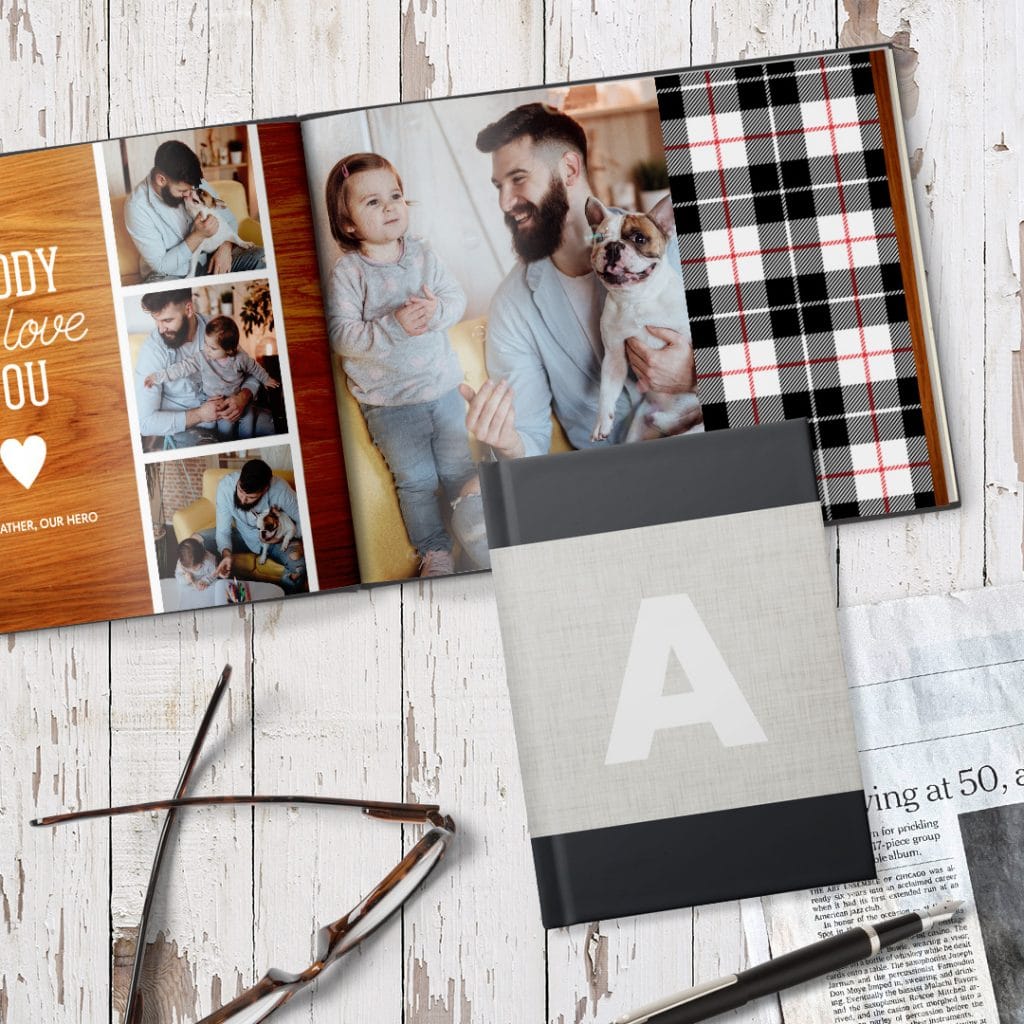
[{"x": 92, "y": 566}]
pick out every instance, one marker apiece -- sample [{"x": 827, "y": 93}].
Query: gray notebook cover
[{"x": 668, "y": 618}]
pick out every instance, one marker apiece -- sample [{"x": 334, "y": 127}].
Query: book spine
[{"x": 500, "y": 516}]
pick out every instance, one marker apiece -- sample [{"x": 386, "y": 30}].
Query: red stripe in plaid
[
  {"x": 732, "y": 245},
  {"x": 880, "y": 468},
  {"x": 771, "y": 135},
  {"x": 848, "y": 241},
  {"x": 853, "y": 282},
  {"x": 806, "y": 362}
]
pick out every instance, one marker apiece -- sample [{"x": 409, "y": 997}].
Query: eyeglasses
[{"x": 333, "y": 941}]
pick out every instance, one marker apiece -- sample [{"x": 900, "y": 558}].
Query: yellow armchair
[
  {"x": 385, "y": 552},
  {"x": 201, "y": 514}
]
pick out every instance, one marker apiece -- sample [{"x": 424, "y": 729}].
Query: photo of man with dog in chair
[
  {"x": 184, "y": 205},
  {"x": 494, "y": 289}
]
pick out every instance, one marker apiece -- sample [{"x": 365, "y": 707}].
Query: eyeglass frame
[{"x": 442, "y": 831}]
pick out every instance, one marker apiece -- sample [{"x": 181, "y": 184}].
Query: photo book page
[{"x": 256, "y": 360}]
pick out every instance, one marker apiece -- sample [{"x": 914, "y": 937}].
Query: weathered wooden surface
[{"x": 399, "y": 693}]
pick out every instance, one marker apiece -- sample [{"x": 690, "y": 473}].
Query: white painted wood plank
[
  {"x": 312, "y": 57},
  {"x": 163, "y": 672},
  {"x": 1003, "y": 193},
  {"x": 178, "y": 65},
  {"x": 53, "y": 882},
  {"x": 937, "y": 552},
  {"x": 475, "y": 945},
  {"x": 459, "y": 46},
  {"x": 54, "y": 73},
  {"x": 328, "y": 721}
]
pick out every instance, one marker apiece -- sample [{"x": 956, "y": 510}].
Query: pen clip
[{"x": 645, "y": 1013}]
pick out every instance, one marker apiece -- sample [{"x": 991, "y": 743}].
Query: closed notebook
[{"x": 668, "y": 618}]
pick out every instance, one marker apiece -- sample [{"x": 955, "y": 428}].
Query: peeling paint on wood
[
  {"x": 861, "y": 29},
  {"x": 168, "y": 983}
]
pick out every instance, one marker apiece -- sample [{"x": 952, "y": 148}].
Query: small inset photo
[
  {"x": 206, "y": 364},
  {"x": 184, "y": 204},
  {"x": 227, "y": 528}
]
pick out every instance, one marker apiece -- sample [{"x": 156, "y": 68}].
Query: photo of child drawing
[{"x": 228, "y": 528}]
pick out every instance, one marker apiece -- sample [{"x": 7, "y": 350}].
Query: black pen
[{"x": 814, "y": 961}]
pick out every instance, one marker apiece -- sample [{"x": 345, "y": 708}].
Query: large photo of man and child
[
  {"x": 184, "y": 204},
  {"x": 206, "y": 364},
  {"x": 227, "y": 528},
  {"x": 501, "y": 279}
]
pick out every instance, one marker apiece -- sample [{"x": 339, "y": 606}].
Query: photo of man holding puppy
[
  {"x": 544, "y": 347},
  {"x": 167, "y": 235}
]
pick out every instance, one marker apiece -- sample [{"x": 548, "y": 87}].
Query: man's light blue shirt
[
  {"x": 279, "y": 494},
  {"x": 158, "y": 231},
  {"x": 535, "y": 341}
]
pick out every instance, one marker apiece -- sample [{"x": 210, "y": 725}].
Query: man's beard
[
  {"x": 246, "y": 506},
  {"x": 178, "y": 338},
  {"x": 544, "y": 235},
  {"x": 169, "y": 197}
]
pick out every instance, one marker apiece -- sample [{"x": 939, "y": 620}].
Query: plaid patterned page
[{"x": 797, "y": 298}]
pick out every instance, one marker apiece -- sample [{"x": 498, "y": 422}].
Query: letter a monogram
[{"x": 671, "y": 625}]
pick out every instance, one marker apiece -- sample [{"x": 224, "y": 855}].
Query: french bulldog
[
  {"x": 275, "y": 527},
  {"x": 628, "y": 256},
  {"x": 199, "y": 202}
]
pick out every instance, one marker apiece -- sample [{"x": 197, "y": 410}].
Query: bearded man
[
  {"x": 170, "y": 414},
  {"x": 243, "y": 498},
  {"x": 544, "y": 347},
  {"x": 165, "y": 233}
]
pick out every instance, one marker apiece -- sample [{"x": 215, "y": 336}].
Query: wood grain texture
[
  {"x": 309, "y": 355},
  {"x": 84, "y": 557},
  {"x": 54, "y": 756},
  {"x": 329, "y": 676},
  {"x": 330, "y": 722},
  {"x": 1003, "y": 192}
]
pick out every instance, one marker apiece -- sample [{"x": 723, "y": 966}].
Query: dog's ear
[
  {"x": 596, "y": 211},
  {"x": 663, "y": 215}
]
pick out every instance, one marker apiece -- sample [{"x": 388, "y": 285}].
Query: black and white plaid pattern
[{"x": 792, "y": 269}]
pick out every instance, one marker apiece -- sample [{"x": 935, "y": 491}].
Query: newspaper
[{"x": 937, "y": 687}]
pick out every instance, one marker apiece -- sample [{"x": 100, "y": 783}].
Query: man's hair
[
  {"x": 191, "y": 552},
  {"x": 157, "y": 302},
  {"x": 337, "y": 188},
  {"x": 255, "y": 476},
  {"x": 223, "y": 331},
  {"x": 176, "y": 161},
  {"x": 541, "y": 122}
]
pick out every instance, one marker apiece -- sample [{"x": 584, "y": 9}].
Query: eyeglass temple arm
[
  {"x": 133, "y": 1004},
  {"x": 382, "y": 809}
]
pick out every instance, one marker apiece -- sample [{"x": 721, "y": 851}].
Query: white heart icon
[{"x": 24, "y": 460}]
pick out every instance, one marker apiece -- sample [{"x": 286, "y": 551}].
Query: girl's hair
[
  {"x": 337, "y": 188},
  {"x": 191, "y": 552},
  {"x": 223, "y": 332}
]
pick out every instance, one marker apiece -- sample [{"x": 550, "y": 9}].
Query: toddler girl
[
  {"x": 223, "y": 370},
  {"x": 390, "y": 302},
  {"x": 197, "y": 567}
]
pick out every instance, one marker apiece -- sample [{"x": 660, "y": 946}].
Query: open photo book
[{"x": 265, "y": 359}]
